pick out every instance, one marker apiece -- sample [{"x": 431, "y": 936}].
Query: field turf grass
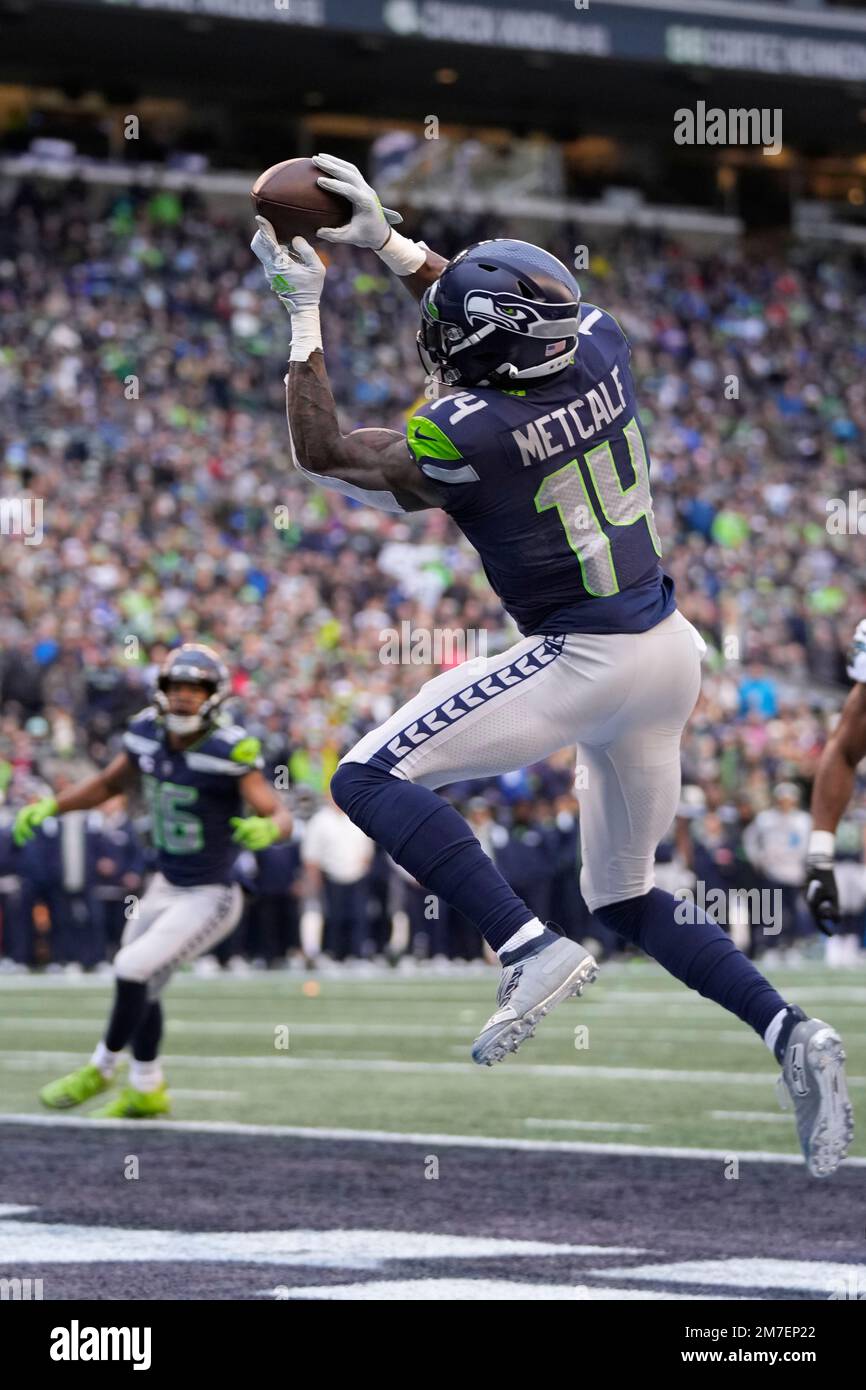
[
  {"x": 656, "y": 1064},
  {"x": 371, "y": 1159}
]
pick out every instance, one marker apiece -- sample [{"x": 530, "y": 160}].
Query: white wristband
[
  {"x": 822, "y": 844},
  {"x": 401, "y": 254},
  {"x": 306, "y": 333}
]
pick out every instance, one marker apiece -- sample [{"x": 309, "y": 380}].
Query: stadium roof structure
[
  {"x": 264, "y": 78},
  {"x": 563, "y": 62}
]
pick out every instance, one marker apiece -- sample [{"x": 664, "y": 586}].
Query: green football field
[{"x": 650, "y": 1063}]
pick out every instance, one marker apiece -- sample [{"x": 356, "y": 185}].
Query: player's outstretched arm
[
  {"x": 834, "y": 784},
  {"x": 846, "y": 747},
  {"x": 373, "y": 226},
  {"x": 91, "y": 792},
  {"x": 373, "y": 462}
]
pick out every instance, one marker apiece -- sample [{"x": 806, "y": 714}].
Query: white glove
[
  {"x": 371, "y": 223},
  {"x": 297, "y": 280}
]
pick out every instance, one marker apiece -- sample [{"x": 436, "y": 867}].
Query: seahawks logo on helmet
[{"x": 518, "y": 315}]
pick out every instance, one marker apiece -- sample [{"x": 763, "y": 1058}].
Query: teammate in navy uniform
[
  {"x": 196, "y": 769},
  {"x": 539, "y": 456}
]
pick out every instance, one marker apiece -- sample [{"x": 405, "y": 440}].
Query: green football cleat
[
  {"x": 75, "y": 1088},
  {"x": 135, "y": 1105}
]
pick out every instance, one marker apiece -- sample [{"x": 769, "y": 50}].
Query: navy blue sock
[
  {"x": 145, "y": 1039},
  {"x": 531, "y": 948},
  {"x": 432, "y": 842},
  {"x": 680, "y": 936},
  {"x": 794, "y": 1016},
  {"x": 130, "y": 1004}
]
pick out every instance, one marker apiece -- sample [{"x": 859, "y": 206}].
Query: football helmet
[
  {"x": 194, "y": 664},
  {"x": 501, "y": 312}
]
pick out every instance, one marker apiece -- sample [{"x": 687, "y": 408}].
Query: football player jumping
[
  {"x": 196, "y": 769},
  {"x": 538, "y": 455},
  {"x": 834, "y": 783}
]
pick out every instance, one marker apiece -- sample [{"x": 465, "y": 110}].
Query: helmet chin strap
[{"x": 555, "y": 364}]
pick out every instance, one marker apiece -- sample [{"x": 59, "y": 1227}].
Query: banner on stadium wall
[{"x": 741, "y": 36}]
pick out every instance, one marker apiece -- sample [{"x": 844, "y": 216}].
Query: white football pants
[
  {"x": 173, "y": 925},
  {"x": 623, "y": 698}
]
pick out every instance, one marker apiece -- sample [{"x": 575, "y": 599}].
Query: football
[{"x": 289, "y": 197}]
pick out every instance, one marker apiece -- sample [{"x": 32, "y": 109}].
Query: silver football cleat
[
  {"x": 527, "y": 991},
  {"x": 813, "y": 1076}
]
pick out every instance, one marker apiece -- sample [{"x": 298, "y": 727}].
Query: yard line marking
[
  {"x": 587, "y": 1124},
  {"x": 613, "y": 986},
  {"x": 765, "y": 1116},
  {"x": 243, "y": 1028},
  {"x": 559, "y": 1073},
  {"x": 178, "y": 1093},
  {"x": 456, "y": 1141}
]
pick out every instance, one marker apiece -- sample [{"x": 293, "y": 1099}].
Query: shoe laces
[{"x": 508, "y": 984}]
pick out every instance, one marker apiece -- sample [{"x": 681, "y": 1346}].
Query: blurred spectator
[
  {"x": 526, "y": 854},
  {"x": 776, "y": 843},
  {"x": 273, "y": 920},
  {"x": 338, "y": 857}
]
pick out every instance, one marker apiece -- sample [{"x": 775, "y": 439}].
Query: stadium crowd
[{"x": 141, "y": 400}]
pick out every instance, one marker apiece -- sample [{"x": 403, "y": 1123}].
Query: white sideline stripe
[
  {"x": 61, "y": 1242},
  {"x": 560, "y": 1073},
  {"x": 587, "y": 1124},
  {"x": 795, "y": 1276},
  {"x": 447, "y": 1141},
  {"x": 474, "y": 1290},
  {"x": 770, "y": 1117}
]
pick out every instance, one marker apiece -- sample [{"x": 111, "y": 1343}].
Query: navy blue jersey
[
  {"x": 551, "y": 486},
  {"x": 191, "y": 794}
]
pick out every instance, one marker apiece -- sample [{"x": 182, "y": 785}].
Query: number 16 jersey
[{"x": 550, "y": 484}]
